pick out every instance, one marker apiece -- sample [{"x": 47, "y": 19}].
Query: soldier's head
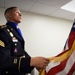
[{"x": 13, "y": 14}]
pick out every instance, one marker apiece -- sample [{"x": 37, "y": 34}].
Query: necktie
[{"x": 19, "y": 31}]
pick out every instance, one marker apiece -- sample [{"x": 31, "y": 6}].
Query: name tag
[{"x": 14, "y": 39}]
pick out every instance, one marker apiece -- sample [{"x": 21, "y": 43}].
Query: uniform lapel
[{"x": 14, "y": 31}]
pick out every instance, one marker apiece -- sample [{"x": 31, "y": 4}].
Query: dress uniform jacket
[{"x": 14, "y": 60}]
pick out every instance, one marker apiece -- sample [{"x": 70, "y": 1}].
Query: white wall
[{"x": 44, "y": 36}]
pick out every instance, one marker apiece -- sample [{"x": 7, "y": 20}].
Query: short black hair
[{"x": 9, "y": 9}]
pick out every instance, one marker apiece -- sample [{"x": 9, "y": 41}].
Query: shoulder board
[{"x": 3, "y": 26}]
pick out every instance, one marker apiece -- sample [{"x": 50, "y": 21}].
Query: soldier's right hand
[{"x": 39, "y": 62}]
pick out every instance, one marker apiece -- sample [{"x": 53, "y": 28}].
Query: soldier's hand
[{"x": 39, "y": 62}]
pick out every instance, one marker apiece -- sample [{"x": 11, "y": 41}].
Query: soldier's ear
[{"x": 8, "y": 15}]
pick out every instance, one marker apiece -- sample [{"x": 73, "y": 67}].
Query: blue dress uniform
[{"x": 14, "y": 60}]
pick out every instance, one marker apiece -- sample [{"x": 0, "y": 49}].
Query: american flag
[{"x": 63, "y": 63}]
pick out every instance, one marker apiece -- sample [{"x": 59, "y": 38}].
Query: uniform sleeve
[
  {"x": 12, "y": 63},
  {"x": 25, "y": 64}
]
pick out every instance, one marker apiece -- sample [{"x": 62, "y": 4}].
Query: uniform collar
[
  {"x": 13, "y": 24},
  {"x": 14, "y": 29}
]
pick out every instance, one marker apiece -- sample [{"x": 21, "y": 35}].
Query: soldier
[{"x": 14, "y": 60}]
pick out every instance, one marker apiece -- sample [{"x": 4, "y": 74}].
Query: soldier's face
[{"x": 15, "y": 15}]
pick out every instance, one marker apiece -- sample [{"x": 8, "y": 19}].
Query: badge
[
  {"x": 14, "y": 39},
  {"x": 8, "y": 30},
  {"x": 15, "y": 61},
  {"x": 11, "y": 34},
  {"x": 15, "y": 50}
]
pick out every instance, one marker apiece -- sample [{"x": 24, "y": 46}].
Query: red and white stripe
[{"x": 66, "y": 67}]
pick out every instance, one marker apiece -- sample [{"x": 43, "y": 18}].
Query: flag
[{"x": 63, "y": 63}]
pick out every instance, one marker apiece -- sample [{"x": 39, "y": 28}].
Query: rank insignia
[
  {"x": 3, "y": 26},
  {"x": 2, "y": 43}
]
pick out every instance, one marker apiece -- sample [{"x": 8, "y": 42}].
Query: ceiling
[{"x": 44, "y": 7}]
